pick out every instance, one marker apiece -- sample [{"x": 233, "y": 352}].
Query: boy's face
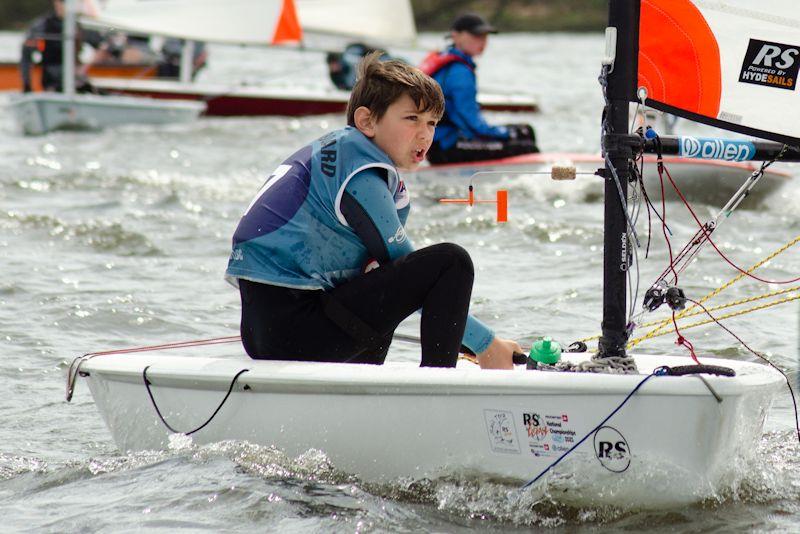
[{"x": 404, "y": 132}]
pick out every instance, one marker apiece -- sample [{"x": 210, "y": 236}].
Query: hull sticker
[
  {"x": 502, "y": 431},
  {"x": 548, "y": 434}
]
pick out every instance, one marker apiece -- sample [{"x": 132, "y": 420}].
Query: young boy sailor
[{"x": 301, "y": 250}]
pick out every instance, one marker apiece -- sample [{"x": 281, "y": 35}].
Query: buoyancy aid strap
[
  {"x": 434, "y": 62},
  {"x": 349, "y": 322}
]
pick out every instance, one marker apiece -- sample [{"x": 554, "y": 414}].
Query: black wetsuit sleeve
[{"x": 369, "y": 209}]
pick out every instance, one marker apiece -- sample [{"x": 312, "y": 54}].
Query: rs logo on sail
[
  {"x": 771, "y": 64},
  {"x": 711, "y": 148}
]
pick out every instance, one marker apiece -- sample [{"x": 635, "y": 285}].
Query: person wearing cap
[{"x": 463, "y": 134}]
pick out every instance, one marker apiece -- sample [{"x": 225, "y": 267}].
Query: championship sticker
[
  {"x": 502, "y": 431},
  {"x": 548, "y": 434},
  {"x": 771, "y": 64}
]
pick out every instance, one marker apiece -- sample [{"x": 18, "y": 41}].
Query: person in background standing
[
  {"x": 44, "y": 36},
  {"x": 463, "y": 134}
]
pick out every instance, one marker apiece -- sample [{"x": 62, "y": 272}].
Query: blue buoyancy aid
[{"x": 293, "y": 234}]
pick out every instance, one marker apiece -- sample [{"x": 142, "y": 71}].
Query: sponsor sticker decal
[
  {"x": 771, "y": 64},
  {"x": 612, "y": 449},
  {"x": 547, "y": 434},
  {"x": 714, "y": 148},
  {"x": 502, "y": 431}
]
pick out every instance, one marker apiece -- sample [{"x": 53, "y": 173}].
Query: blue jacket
[{"x": 462, "y": 116}]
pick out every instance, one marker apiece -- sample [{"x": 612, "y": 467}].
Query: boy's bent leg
[
  {"x": 280, "y": 323},
  {"x": 437, "y": 279}
]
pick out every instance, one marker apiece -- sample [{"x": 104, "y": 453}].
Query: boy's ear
[{"x": 364, "y": 122}]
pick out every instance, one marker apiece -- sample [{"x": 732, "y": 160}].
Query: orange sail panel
[{"x": 679, "y": 61}]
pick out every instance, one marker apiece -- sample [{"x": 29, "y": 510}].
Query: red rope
[
  {"x": 682, "y": 341},
  {"x": 671, "y": 267},
  {"x": 167, "y": 346},
  {"x": 707, "y": 236}
]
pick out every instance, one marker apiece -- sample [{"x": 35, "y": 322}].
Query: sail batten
[{"x": 723, "y": 63}]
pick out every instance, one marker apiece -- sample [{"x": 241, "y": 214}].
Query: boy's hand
[{"x": 499, "y": 355}]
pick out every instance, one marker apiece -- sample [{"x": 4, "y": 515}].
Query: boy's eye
[{"x": 412, "y": 118}]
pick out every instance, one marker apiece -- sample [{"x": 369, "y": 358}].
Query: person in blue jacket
[
  {"x": 324, "y": 267},
  {"x": 463, "y": 134}
]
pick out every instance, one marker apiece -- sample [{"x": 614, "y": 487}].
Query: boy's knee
[{"x": 458, "y": 256}]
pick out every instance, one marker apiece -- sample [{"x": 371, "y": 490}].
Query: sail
[
  {"x": 265, "y": 22},
  {"x": 729, "y": 63},
  {"x": 373, "y": 21}
]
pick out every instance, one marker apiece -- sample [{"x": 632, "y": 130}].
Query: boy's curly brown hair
[{"x": 381, "y": 83}]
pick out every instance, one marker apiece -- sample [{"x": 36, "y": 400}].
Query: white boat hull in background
[
  {"x": 699, "y": 180},
  {"x": 39, "y": 113},
  {"x": 235, "y": 99},
  {"x": 672, "y": 442}
]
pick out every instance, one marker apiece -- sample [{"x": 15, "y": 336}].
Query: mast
[
  {"x": 68, "y": 49},
  {"x": 624, "y": 16}
]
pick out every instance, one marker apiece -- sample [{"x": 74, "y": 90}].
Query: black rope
[{"x": 153, "y": 400}]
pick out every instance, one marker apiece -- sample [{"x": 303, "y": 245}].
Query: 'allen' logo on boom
[
  {"x": 713, "y": 148},
  {"x": 771, "y": 64}
]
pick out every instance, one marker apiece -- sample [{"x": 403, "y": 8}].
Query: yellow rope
[
  {"x": 718, "y": 318},
  {"x": 691, "y": 311},
  {"x": 666, "y": 322},
  {"x": 728, "y": 305},
  {"x": 661, "y": 332}
]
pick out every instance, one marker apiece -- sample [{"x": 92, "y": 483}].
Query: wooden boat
[{"x": 11, "y": 79}]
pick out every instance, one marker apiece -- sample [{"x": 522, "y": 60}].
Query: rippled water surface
[{"x": 120, "y": 238}]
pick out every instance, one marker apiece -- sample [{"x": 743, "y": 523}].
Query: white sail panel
[
  {"x": 373, "y": 21},
  {"x": 733, "y": 62},
  {"x": 223, "y": 21}
]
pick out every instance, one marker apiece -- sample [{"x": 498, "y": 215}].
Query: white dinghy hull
[
  {"x": 673, "y": 440},
  {"x": 39, "y": 113}
]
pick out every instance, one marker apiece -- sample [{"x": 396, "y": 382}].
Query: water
[{"x": 120, "y": 238}]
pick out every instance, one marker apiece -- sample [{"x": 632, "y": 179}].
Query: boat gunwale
[{"x": 399, "y": 378}]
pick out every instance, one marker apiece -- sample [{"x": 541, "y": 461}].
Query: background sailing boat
[
  {"x": 42, "y": 112},
  {"x": 326, "y": 25}
]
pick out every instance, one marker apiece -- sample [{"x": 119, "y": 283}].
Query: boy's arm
[{"x": 369, "y": 209}]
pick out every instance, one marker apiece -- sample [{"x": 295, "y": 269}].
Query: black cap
[{"x": 472, "y": 23}]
